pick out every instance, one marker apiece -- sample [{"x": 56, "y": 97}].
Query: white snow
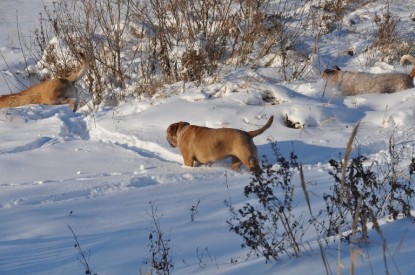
[{"x": 98, "y": 172}]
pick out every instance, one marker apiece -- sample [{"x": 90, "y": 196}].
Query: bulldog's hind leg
[
  {"x": 249, "y": 159},
  {"x": 253, "y": 164}
]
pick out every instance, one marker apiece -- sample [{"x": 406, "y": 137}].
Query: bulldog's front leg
[{"x": 187, "y": 157}]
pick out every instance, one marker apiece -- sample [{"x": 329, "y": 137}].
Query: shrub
[
  {"x": 97, "y": 28},
  {"x": 386, "y": 32},
  {"x": 270, "y": 227},
  {"x": 369, "y": 193},
  {"x": 159, "y": 246},
  {"x": 363, "y": 192},
  {"x": 142, "y": 45},
  {"x": 388, "y": 43},
  {"x": 356, "y": 197}
]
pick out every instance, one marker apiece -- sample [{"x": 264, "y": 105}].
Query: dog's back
[
  {"x": 356, "y": 83},
  {"x": 51, "y": 92}
]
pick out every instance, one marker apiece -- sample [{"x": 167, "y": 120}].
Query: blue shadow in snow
[{"x": 307, "y": 153}]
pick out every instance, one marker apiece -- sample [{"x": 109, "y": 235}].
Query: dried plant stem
[
  {"x": 342, "y": 188},
  {"x": 354, "y": 252},
  {"x": 83, "y": 259},
  {"x": 307, "y": 198}
]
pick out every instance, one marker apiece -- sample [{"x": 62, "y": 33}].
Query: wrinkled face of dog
[
  {"x": 332, "y": 74},
  {"x": 173, "y": 131}
]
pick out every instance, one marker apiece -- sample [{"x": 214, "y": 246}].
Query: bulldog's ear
[
  {"x": 171, "y": 134},
  {"x": 183, "y": 123},
  {"x": 172, "y": 129}
]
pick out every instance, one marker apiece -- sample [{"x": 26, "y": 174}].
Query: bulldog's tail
[
  {"x": 78, "y": 75},
  {"x": 262, "y": 129},
  {"x": 411, "y": 59}
]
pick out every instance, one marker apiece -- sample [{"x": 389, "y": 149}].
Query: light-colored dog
[
  {"x": 56, "y": 91},
  {"x": 205, "y": 145},
  {"x": 356, "y": 83}
]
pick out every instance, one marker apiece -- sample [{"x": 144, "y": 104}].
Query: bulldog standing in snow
[{"x": 205, "y": 145}]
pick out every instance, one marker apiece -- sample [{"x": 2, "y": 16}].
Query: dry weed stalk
[
  {"x": 343, "y": 187},
  {"x": 319, "y": 241}
]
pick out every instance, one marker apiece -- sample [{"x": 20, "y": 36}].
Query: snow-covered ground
[{"x": 99, "y": 172}]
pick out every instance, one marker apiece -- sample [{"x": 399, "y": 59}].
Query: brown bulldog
[
  {"x": 56, "y": 91},
  {"x": 205, "y": 145}
]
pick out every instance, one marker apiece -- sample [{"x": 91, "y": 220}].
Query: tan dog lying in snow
[
  {"x": 356, "y": 83},
  {"x": 56, "y": 91},
  {"x": 206, "y": 145}
]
